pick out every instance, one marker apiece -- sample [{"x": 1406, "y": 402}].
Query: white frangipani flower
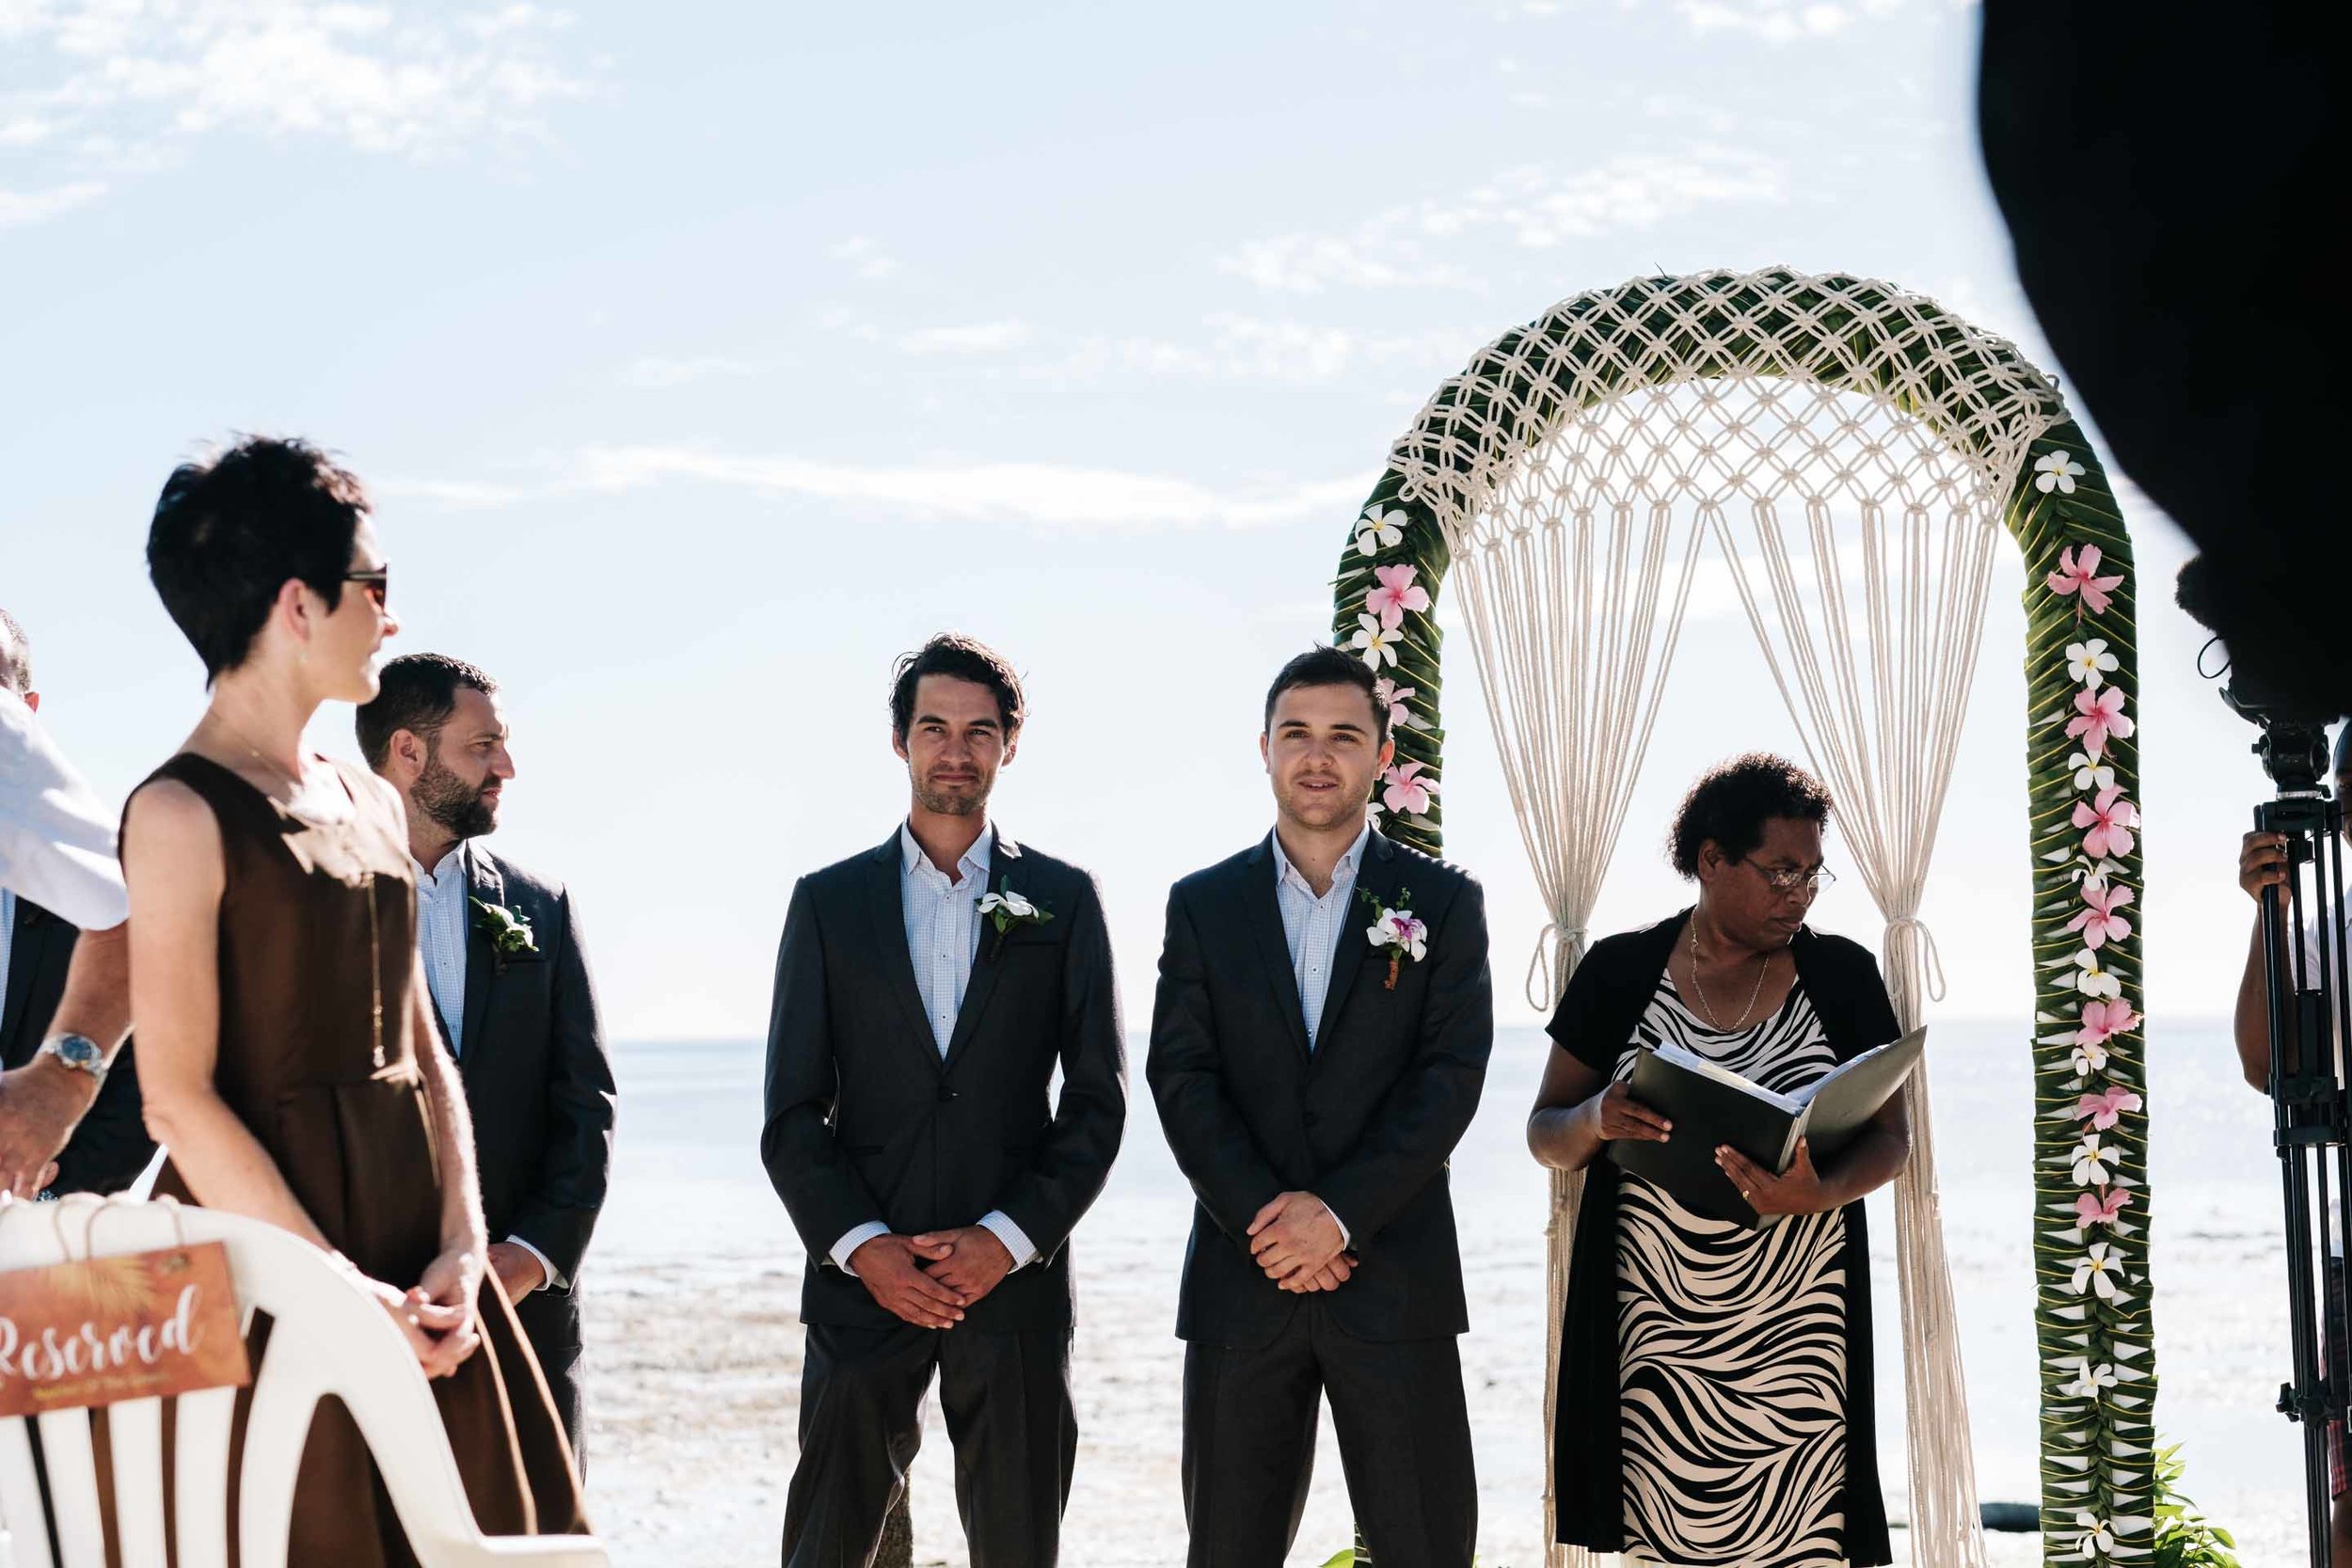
[
  {"x": 2089, "y": 663},
  {"x": 2090, "y": 774},
  {"x": 1382, "y": 529},
  {"x": 2088, "y": 1382},
  {"x": 2101, "y": 1271},
  {"x": 2057, "y": 471},
  {"x": 2093, "y": 981},
  {"x": 1376, "y": 642},
  {"x": 2096, "y": 1539},
  {"x": 2091, "y": 1159}
]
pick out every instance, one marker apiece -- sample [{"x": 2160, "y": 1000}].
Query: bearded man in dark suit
[
  {"x": 926, "y": 992},
  {"x": 510, "y": 987},
  {"x": 1318, "y": 1047}
]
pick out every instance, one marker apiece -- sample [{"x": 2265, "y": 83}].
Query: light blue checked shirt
[
  {"x": 1314, "y": 928},
  {"x": 942, "y": 926},
  {"x": 8, "y": 938}
]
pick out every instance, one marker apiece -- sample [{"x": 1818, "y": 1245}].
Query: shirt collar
[
  {"x": 453, "y": 860},
  {"x": 974, "y": 864},
  {"x": 1343, "y": 872}
]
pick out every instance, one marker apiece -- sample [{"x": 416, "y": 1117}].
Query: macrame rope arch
[{"x": 1567, "y": 480}]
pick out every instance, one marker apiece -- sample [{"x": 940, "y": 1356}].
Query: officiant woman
[{"x": 1715, "y": 1393}]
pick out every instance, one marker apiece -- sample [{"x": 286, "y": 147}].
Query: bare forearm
[
  {"x": 97, "y": 999},
  {"x": 461, "y": 1186},
  {"x": 1565, "y": 1137},
  {"x": 223, "y": 1164},
  {"x": 1871, "y": 1163},
  {"x": 2252, "y": 1019}
]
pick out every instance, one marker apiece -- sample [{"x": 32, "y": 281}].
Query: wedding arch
[{"x": 1855, "y": 451}]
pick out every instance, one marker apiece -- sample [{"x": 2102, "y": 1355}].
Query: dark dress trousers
[
  {"x": 868, "y": 1121},
  {"x": 110, "y": 1147},
  {"x": 540, "y": 1089},
  {"x": 1597, "y": 1016},
  {"x": 1366, "y": 1121}
]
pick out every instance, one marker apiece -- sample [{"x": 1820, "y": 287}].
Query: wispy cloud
[
  {"x": 1235, "y": 347},
  {"x": 1535, "y": 206},
  {"x": 655, "y": 373},
  {"x": 106, "y": 85},
  {"x": 23, "y": 207},
  {"x": 1041, "y": 495},
  {"x": 1778, "y": 21},
  {"x": 978, "y": 337},
  {"x": 866, "y": 256}
]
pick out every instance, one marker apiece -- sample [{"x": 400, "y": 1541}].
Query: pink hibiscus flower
[
  {"x": 2110, "y": 819},
  {"x": 2104, "y": 1021},
  {"x": 1396, "y": 594},
  {"x": 1392, "y": 696},
  {"x": 2105, "y": 1110},
  {"x": 2080, "y": 575},
  {"x": 1407, "y": 793},
  {"x": 2102, "y": 715},
  {"x": 2100, "y": 1208},
  {"x": 2100, "y": 924}
]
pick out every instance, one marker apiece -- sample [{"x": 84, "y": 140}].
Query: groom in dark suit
[
  {"x": 1317, "y": 1050},
  {"x": 510, "y": 987},
  {"x": 926, "y": 991}
]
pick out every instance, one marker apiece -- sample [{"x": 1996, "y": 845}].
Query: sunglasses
[{"x": 376, "y": 584}]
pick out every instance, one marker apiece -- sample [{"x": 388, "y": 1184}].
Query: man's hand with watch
[{"x": 40, "y": 1103}]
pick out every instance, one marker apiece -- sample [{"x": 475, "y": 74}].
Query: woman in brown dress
[{"x": 288, "y": 1060}]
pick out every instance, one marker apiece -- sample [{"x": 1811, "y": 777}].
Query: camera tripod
[{"x": 2311, "y": 1117}]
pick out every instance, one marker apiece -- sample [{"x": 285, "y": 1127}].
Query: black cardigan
[{"x": 1605, "y": 1001}]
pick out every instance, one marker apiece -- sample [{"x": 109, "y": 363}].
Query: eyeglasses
[
  {"x": 376, "y": 584},
  {"x": 1787, "y": 878}
]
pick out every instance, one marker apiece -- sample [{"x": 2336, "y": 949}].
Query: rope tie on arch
[
  {"x": 1558, "y": 950},
  {"x": 1908, "y": 936}
]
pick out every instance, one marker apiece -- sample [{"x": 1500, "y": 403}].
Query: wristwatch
[{"x": 78, "y": 1052}]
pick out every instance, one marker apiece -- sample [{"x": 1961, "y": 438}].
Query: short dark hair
[
  {"x": 1732, "y": 801},
  {"x": 968, "y": 659},
  {"x": 16, "y": 655},
  {"x": 1325, "y": 665},
  {"x": 416, "y": 692},
  {"x": 228, "y": 533}
]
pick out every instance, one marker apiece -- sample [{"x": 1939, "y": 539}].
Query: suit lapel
[
  {"x": 885, "y": 905},
  {"x": 1004, "y": 861},
  {"x": 1375, "y": 874},
  {"x": 483, "y": 881},
  {"x": 1266, "y": 938}
]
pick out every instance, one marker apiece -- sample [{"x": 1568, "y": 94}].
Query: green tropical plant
[{"x": 2185, "y": 1537}]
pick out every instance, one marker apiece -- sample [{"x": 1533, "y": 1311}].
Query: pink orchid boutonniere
[{"x": 1396, "y": 931}]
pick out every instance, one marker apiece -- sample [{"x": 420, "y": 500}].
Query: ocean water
[{"x": 689, "y": 1201}]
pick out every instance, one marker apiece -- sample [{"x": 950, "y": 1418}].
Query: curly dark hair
[
  {"x": 968, "y": 659},
  {"x": 1731, "y": 802}
]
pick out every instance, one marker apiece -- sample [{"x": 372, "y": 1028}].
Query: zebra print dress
[{"x": 1732, "y": 1369}]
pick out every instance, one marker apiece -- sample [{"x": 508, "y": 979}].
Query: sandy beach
[{"x": 694, "y": 1347}]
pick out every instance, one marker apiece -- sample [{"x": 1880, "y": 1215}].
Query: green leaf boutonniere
[
  {"x": 509, "y": 933},
  {"x": 1006, "y": 910}
]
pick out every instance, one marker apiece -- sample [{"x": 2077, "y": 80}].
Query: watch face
[{"x": 76, "y": 1051}]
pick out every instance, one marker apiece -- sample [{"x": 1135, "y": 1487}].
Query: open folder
[{"x": 1710, "y": 1105}]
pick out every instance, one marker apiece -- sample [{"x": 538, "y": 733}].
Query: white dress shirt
[
  {"x": 441, "y": 925},
  {"x": 1314, "y": 927},
  {"x": 943, "y": 924},
  {"x": 57, "y": 841}
]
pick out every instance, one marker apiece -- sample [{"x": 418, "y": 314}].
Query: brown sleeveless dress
[{"x": 338, "y": 1100}]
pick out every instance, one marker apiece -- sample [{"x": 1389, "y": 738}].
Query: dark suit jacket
[
  {"x": 538, "y": 1084},
  {"x": 867, "y": 1122},
  {"x": 110, "y": 1147},
  {"x": 1366, "y": 1123}
]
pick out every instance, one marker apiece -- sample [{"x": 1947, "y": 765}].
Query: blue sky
[{"x": 704, "y": 357}]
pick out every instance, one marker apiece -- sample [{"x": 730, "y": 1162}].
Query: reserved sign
[{"x": 141, "y": 1325}]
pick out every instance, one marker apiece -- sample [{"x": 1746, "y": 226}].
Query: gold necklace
[
  {"x": 1712, "y": 1017},
  {"x": 294, "y": 781}
]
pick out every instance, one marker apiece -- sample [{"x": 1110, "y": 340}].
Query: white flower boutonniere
[
  {"x": 1396, "y": 931},
  {"x": 1006, "y": 910},
  {"x": 509, "y": 933}
]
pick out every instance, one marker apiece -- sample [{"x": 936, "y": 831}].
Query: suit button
[{"x": 946, "y": 1094}]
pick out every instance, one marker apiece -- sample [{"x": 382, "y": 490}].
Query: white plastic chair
[{"x": 327, "y": 1338}]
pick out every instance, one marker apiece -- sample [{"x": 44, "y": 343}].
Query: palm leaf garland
[{"x": 2090, "y": 1127}]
